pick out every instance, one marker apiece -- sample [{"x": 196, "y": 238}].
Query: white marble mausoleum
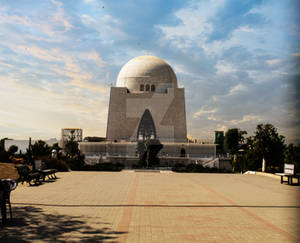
[{"x": 146, "y": 103}]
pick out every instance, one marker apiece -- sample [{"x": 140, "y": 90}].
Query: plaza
[{"x": 132, "y": 206}]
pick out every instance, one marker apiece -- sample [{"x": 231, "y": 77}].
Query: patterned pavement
[{"x": 133, "y": 206}]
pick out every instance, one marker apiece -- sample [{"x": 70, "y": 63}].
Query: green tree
[
  {"x": 292, "y": 155},
  {"x": 268, "y": 144},
  {"x": 73, "y": 156},
  {"x": 56, "y": 147},
  {"x": 234, "y": 137},
  {"x": 40, "y": 148},
  {"x": 12, "y": 149},
  {"x": 71, "y": 148},
  {"x": 251, "y": 159},
  {"x": 2, "y": 143}
]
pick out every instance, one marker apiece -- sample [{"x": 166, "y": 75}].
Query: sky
[{"x": 237, "y": 60}]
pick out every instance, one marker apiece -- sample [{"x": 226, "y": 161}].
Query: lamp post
[{"x": 241, "y": 151}]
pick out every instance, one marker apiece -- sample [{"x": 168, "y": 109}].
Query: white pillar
[{"x": 263, "y": 165}]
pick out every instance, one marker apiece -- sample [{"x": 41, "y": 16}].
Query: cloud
[
  {"x": 203, "y": 112},
  {"x": 59, "y": 16},
  {"x": 90, "y": 1},
  {"x": 231, "y": 15},
  {"x": 87, "y": 20},
  {"x": 224, "y": 67},
  {"x": 272, "y": 62},
  {"x": 65, "y": 65},
  {"x": 246, "y": 118},
  {"x": 194, "y": 25},
  {"x": 236, "y": 89},
  {"x": 234, "y": 59},
  {"x": 86, "y": 85},
  {"x": 37, "y": 52},
  {"x": 42, "y": 108}
]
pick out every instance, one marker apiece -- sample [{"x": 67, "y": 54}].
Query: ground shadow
[
  {"x": 33, "y": 224},
  {"x": 158, "y": 205}
]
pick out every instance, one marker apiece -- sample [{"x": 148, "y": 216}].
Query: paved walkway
[{"x": 155, "y": 207}]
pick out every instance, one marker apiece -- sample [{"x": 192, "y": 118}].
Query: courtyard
[{"x": 132, "y": 206}]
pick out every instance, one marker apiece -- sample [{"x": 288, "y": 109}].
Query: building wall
[
  {"x": 128, "y": 149},
  {"x": 126, "y": 110},
  {"x": 108, "y": 148}
]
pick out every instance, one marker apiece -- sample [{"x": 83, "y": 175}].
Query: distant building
[
  {"x": 219, "y": 141},
  {"x": 94, "y": 139},
  {"x": 68, "y": 133}
]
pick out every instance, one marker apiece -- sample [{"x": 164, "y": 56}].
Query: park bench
[
  {"x": 289, "y": 172},
  {"x": 28, "y": 175},
  {"x": 42, "y": 168}
]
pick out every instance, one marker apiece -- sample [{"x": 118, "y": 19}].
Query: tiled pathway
[{"x": 155, "y": 207}]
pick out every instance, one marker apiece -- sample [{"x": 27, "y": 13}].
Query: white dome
[{"x": 147, "y": 70}]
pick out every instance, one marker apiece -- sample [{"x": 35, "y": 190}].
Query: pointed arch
[
  {"x": 146, "y": 128},
  {"x": 147, "y": 87},
  {"x": 152, "y": 88}
]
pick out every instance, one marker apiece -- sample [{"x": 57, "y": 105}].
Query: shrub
[
  {"x": 178, "y": 167},
  {"x": 58, "y": 164},
  {"x": 76, "y": 163},
  {"x": 136, "y": 166},
  {"x": 196, "y": 168},
  {"x": 4, "y": 156},
  {"x": 273, "y": 169},
  {"x": 104, "y": 167}
]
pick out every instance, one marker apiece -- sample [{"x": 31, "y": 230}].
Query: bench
[
  {"x": 28, "y": 175},
  {"x": 289, "y": 172},
  {"x": 42, "y": 168}
]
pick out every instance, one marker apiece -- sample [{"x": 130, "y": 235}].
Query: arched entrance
[
  {"x": 182, "y": 152},
  {"x": 146, "y": 129}
]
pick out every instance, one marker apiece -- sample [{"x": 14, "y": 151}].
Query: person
[{"x": 6, "y": 186}]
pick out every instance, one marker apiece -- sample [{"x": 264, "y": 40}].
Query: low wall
[
  {"x": 171, "y": 161},
  {"x": 268, "y": 175},
  {"x": 130, "y": 161},
  {"x": 127, "y": 161}
]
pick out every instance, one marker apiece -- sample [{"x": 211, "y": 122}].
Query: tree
[
  {"x": 251, "y": 159},
  {"x": 40, "y": 148},
  {"x": 71, "y": 148},
  {"x": 4, "y": 156},
  {"x": 233, "y": 139},
  {"x": 74, "y": 158},
  {"x": 268, "y": 144},
  {"x": 13, "y": 149},
  {"x": 2, "y": 142},
  {"x": 292, "y": 155}
]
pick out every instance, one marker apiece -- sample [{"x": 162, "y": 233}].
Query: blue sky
[{"x": 237, "y": 61}]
